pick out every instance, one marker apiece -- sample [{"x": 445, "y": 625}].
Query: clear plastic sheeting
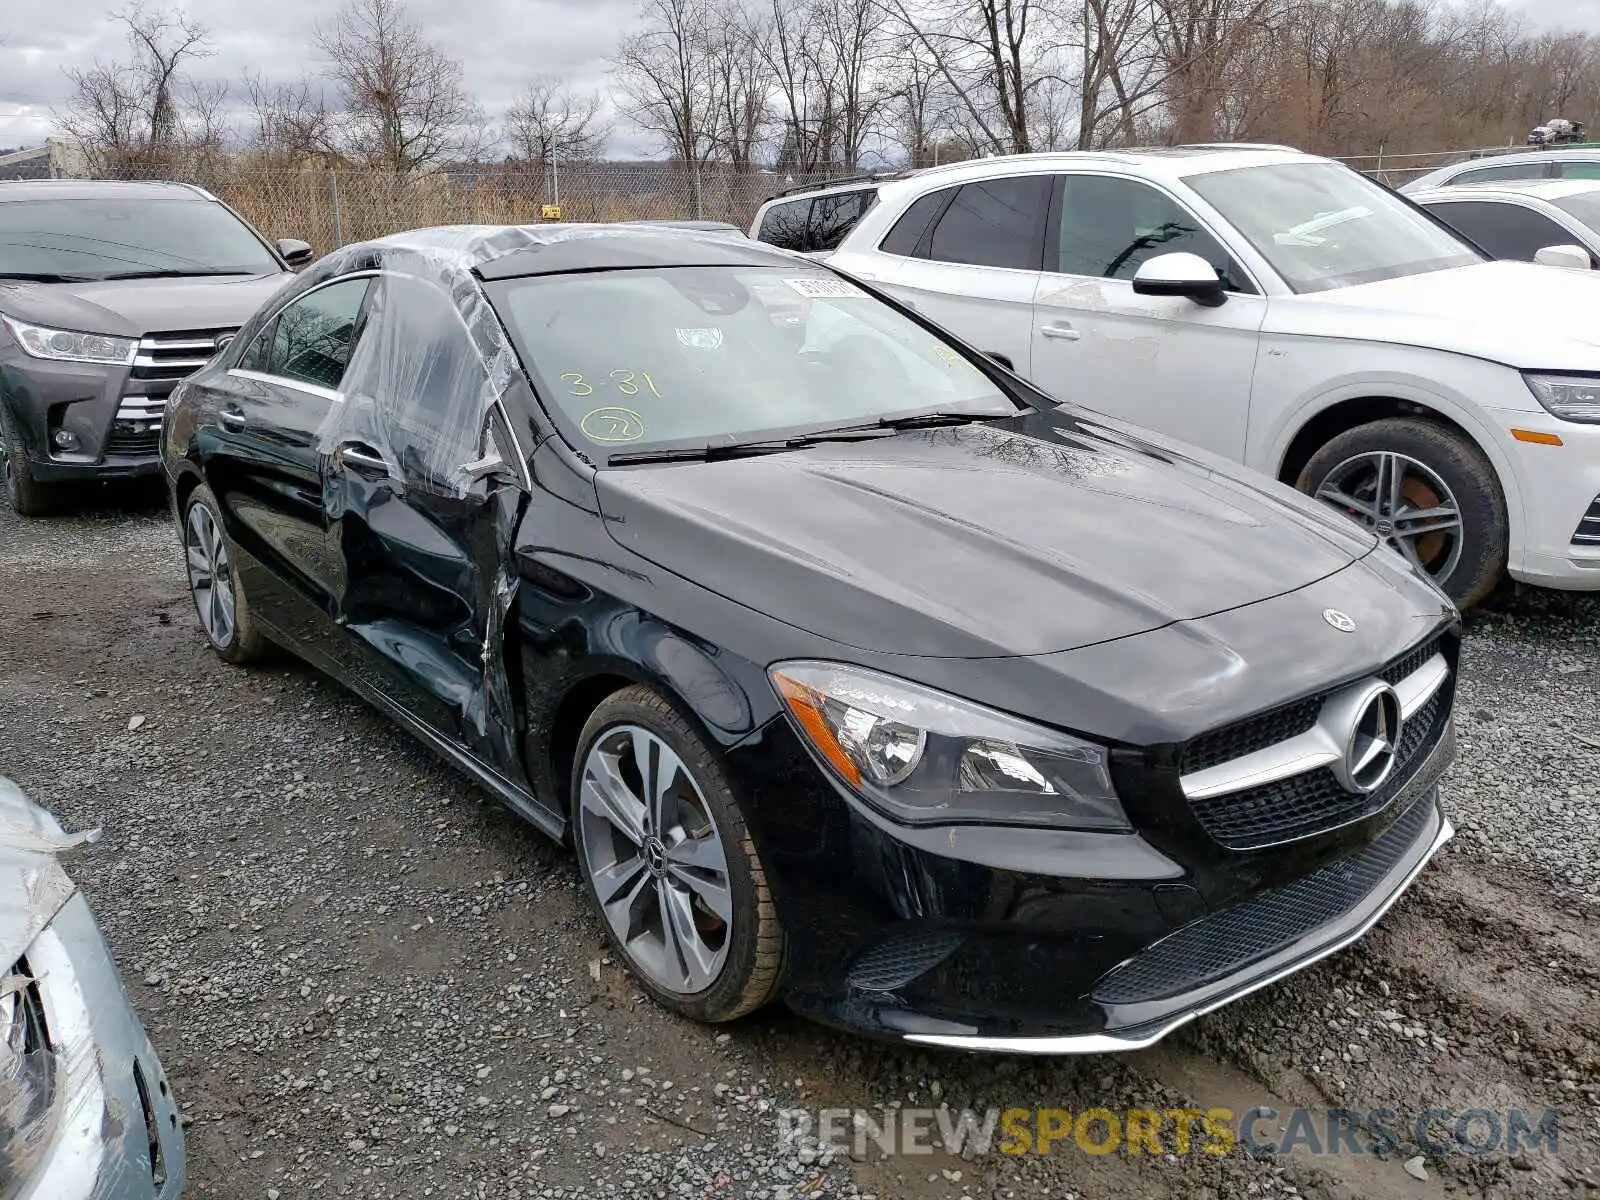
[{"x": 432, "y": 358}]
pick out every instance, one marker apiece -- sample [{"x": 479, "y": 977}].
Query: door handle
[
  {"x": 361, "y": 457},
  {"x": 1061, "y": 331},
  {"x": 232, "y": 418}
]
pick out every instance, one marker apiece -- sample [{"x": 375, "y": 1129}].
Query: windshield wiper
[
  {"x": 168, "y": 273},
  {"x": 722, "y": 450},
  {"x": 46, "y": 277}
]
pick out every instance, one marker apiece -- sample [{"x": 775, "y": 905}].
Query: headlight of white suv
[
  {"x": 64, "y": 345},
  {"x": 1570, "y": 397},
  {"x": 922, "y": 756}
]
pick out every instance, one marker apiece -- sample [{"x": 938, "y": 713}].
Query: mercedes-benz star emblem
[
  {"x": 655, "y": 856},
  {"x": 1373, "y": 740},
  {"x": 1343, "y": 622}
]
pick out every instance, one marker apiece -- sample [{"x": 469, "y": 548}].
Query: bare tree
[
  {"x": 404, "y": 105},
  {"x": 742, "y": 82},
  {"x": 549, "y": 120},
  {"x": 128, "y": 113},
  {"x": 666, "y": 74},
  {"x": 291, "y": 122}
]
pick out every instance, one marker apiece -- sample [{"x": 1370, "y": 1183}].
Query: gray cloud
[{"x": 499, "y": 42}]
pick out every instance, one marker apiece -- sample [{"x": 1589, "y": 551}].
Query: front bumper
[
  {"x": 1053, "y": 941},
  {"x": 1559, "y": 484},
  {"x": 113, "y": 414},
  {"x": 1326, "y": 939},
  {"x": 107, "y": 1127}
]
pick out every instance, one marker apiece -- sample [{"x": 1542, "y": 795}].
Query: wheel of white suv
[
  {"x": 219, "y": 599},
  {"x": 1427, "y": 491},
  {"x": 668, "y": 862},
  {"x": 26, "y": 495}
]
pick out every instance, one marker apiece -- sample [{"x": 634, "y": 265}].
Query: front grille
[
  {"x": 1315, "y": 802},
  {"x": 175, "y": 356},
  {"x": 1217, "y": 946},
  {"x": 1282, "y": 723},
  {"x": 1588, "y": 531},
  {"x": 125, "y": 442}
]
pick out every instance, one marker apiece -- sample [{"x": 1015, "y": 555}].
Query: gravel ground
[{"x": 366, "y": 979}]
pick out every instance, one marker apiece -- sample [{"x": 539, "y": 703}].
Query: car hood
[
  {"x": 1520, "y": 314},
  {"x": 132, "y": 307},
  {"x": 1043, "y": 534}
]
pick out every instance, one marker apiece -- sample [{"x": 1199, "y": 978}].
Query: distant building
[{"x": 53, "y": 160}]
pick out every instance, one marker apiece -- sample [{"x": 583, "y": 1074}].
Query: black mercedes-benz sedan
[{"x": 856, "y": 671}]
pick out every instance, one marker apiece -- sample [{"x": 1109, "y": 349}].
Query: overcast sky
[{"x": 501, "y": 43}]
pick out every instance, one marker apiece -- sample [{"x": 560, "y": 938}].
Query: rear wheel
[
  {"x": 26, "y": 495},
  {"x": 219, "y": 600},
  {"x": 1427, "y": 491},
  {"x": 668, "y": 862}
]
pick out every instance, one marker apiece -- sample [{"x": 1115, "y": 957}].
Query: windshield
[
  {"x": 635, "y": 359},
  {"x": 1585, "y": 206},
  {"x": 1324, "y": 226},
  {"x": 100, "y": 239}
]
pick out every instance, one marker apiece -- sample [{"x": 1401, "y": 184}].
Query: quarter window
[
  {"x": 1504, "y": 230},
  {"x": 784, "y": 225},
  {"x": 907, "y": 233},
  {"x": 312, "y": 337},
  {"x": 835, "y": 215},
  {"x": 995, "y": 223},
  {"x": 1109, "y": 227}
]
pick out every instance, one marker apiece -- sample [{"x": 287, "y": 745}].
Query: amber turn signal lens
[
  {"x": 806, "y": 705},
  {"x": 1537, "y": 438}
]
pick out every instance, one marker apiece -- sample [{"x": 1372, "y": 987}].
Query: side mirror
[
  {"x": 1180, "y": 274},
  {"x": 1002, "y": 359},
  {"x": 1573, "y": 257},
  {"x": 295, "y": 252}
]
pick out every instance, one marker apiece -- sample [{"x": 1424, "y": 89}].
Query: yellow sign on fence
[{"x": 551, "y": 212}]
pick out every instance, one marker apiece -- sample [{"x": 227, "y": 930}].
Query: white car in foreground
[{"x": 1284, "y": 311}]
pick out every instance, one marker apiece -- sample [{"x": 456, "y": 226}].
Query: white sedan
[{"x": 1284, "y": 311}]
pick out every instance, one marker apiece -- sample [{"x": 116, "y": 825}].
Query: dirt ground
[{"x": 368, "y": 980}]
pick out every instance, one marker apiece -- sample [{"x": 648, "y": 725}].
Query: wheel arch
[{"x": 1332, "y": 413}]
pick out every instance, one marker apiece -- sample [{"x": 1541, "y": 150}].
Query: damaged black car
[{"x": 857, "y": 672}]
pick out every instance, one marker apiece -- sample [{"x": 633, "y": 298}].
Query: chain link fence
[
  {"x": 1397, "y": 169},
  {"x": 331, "y": 208}
]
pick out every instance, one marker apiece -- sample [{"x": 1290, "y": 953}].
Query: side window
[
  {"x": 312, "y": 337},
  {"x": 784, "y": 225},
  {"x": 995, "y": 223},
  {"x": 1526, "y": 170},
  {"x": 418, "y": 386},
  {"x": 1578, "y": 170},
  {"x": 907, "y": 233},
  {"x": 835, "y": 215},
  {"x": 1504, "y": 230},
  {"x": 1109, "y": 227}
]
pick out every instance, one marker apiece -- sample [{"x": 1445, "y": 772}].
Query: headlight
[
  {"x": 922, "y": 756},
  {"x": 65, "y": 346},
  {"x": 1570, "y": 397}
]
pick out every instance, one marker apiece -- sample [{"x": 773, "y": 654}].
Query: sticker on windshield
[
  {"x": 817, "y": 288},
  {"x": 612, "y": 425},
  {"x": 700, "y": 339}
]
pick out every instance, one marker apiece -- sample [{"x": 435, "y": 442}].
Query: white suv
[{"x": 1284, "y": 311}]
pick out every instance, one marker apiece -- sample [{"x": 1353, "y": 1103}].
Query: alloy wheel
[
  {"x": 210, "y": 576},
  {"x": 1404, "y": 502},
  {"x": 656, "y": 860}
]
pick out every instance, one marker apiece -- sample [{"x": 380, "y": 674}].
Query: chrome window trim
[{"x": 1317, "y": 747}]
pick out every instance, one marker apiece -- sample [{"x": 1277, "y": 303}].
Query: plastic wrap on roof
[{"x": 433, "y": 358}]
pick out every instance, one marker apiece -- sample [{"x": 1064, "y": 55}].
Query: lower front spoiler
[
  {"x": 56, "y": 470},
  {"x": 1311, "y": 948}
]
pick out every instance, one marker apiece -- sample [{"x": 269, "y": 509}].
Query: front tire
[
  {"x": 219, "y": 599},
  {"x": 668, "y": 862},
  {"x": 1426, "y": 490},
  {"x": 26, "y": 495}
]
